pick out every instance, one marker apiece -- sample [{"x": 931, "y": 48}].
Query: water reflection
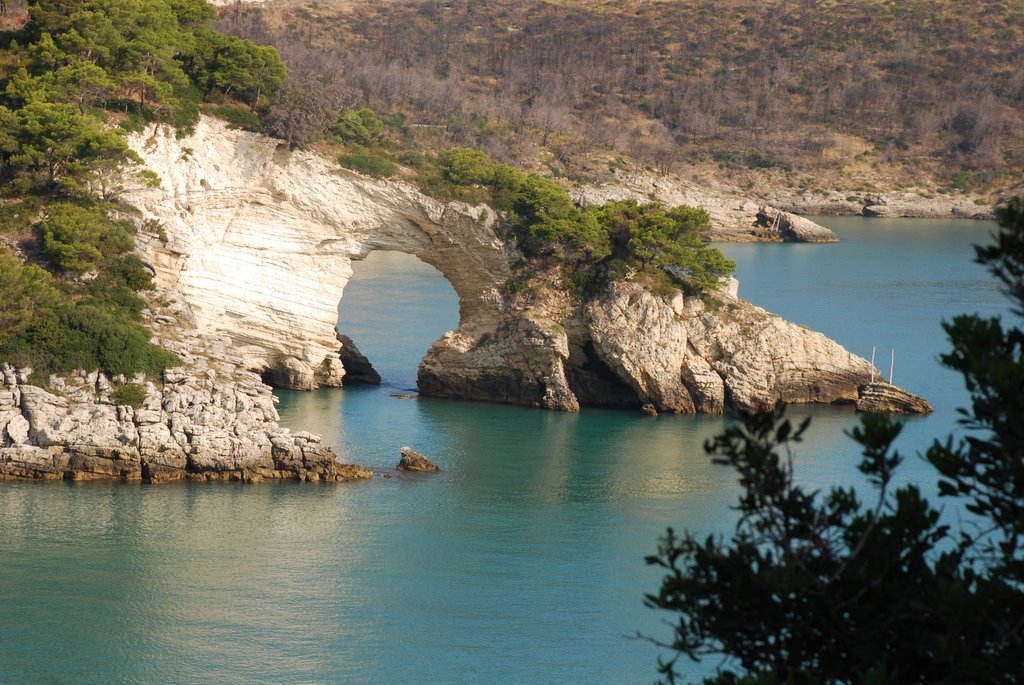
[
  {"x": 521, "y": 562},
  {"x": 126, "y": 581}
]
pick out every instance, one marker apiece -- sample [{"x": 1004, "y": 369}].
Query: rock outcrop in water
[
  {"x": 261, "y": 241},
  {"x": 683, "y": 354},
  {"x": 358, "y": 369},
  {"x": 414, "y": 461},
  {"x": 882, "y": 397},
  {"x": 209, "y": 419}
]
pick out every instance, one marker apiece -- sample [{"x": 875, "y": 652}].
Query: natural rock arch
[
  {"x": 395, "y": 306},
  {"x": 261, "y": 241}
]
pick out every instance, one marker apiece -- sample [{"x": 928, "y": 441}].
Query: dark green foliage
[
  {"x": 154, "y": 57},
  {"x": 819, "y": 587},
  {"x": 670, "y": 239},
  {"x": 78, "y": 238},
  {"x": 237, "y": 67},
  {"x": 358, "y": 126},
  {"x": 16, "y": 216},
  {"x": 63, "y": 146},
  {"x": 8, "y": 136},
  {"x": 987, "y": 466},
  {"x": 369, "y": 163},
  {"x": 26, "y": 291},
  {"x": 465, "y": 166},
  {"x": 239, "y": 117},
  {"x": 131, "y": 394},
  {"x": 599, "y": 244}
]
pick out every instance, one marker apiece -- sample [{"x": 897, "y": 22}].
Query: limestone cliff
[{"x": 260, "y": 242}]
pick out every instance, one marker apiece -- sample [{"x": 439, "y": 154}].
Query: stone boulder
[
  {"x": 358, "y": 368},
  {"x": 414, "y": 461},
  {"x": 775, "y": 224}
]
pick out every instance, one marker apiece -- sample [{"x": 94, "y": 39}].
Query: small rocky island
[{"x": 254, "y": 248}]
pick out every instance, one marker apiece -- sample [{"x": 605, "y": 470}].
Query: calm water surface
[{"x": 522, "y": 562}]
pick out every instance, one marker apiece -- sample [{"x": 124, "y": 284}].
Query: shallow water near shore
[{"x": 521, "y": 562}]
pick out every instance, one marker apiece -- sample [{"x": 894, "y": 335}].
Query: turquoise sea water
[{"x": 522, "y": 562}]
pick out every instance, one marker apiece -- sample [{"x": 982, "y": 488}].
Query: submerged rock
[{"x": 414, "y": 461}]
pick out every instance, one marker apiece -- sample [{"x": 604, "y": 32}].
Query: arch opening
[{"x": 392, "y": 310}]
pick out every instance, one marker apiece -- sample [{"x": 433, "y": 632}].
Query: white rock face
[{"x": 261, "y": 242}]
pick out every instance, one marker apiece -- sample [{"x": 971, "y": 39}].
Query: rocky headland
[
  {"x": 251, "y": 245},
  {"x": 897, "y": 204},
  {"x": 740, "y": 215},
  {"x": 261, "y": 239},
  {"x": 734, "y": 217}
]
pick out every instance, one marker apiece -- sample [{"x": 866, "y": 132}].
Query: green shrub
[
  {"x": 78, "y": 237},
  {"x": 238, "y": 117},
  {"x": 516, "y": 284},
  {"x": 132, "y": 394},
  {"x": 369, "y": 164},
  {"x": 358, "y": 126},
  {"x": 26, "y": 294},
  {"x": 466, "y": 166},
  {"x": 964, "y": 181},
  {"x": 17, "y": 216}
]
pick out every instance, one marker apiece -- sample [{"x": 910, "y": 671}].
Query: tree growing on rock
[{"x": 823, "y": 588}]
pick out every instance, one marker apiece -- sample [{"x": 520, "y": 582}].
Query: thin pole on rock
[
  {"x": 872, "y": 363},
  {"x": 892, "y": 363}
]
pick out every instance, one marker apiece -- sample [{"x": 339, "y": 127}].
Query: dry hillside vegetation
[{"x": 902, "y": 92}]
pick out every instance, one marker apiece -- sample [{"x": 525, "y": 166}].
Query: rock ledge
[{"x": 210, "y": 420}]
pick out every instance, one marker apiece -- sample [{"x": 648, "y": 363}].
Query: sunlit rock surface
[{"x": 260, "y": 241}]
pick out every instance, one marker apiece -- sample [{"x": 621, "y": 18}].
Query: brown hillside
[{"x": 835, "y": 94}]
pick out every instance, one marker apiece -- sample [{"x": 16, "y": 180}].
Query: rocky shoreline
[
  {"x": 907, "y": 205},
  {"x": 209, "y": 419},
  {"x": 254, "y": 249}
]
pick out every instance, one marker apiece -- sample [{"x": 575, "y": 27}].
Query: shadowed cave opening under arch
[{"x": 393, "y": 308}]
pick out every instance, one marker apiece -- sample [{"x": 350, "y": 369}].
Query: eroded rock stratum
[{"x": 260, "y": 242}]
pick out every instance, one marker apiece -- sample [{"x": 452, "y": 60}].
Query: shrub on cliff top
[
  {"x": 612, "y": 239},
  {"x": 369, "y": 164}
]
